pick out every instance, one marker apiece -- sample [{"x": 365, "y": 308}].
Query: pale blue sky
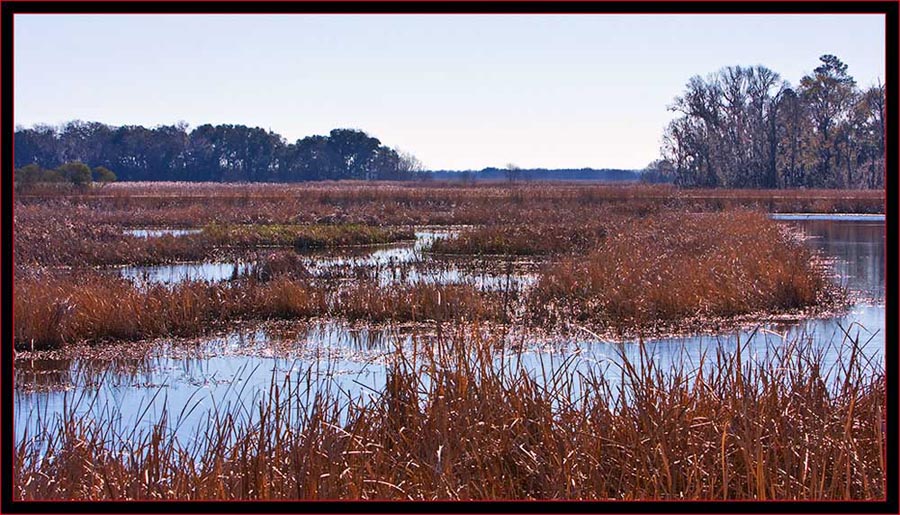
[{"x": 458, "y": 91}]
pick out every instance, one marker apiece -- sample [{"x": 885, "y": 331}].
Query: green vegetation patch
[
  {"x": 304, "y": 237},
  {"x": 523, "y": 239}
]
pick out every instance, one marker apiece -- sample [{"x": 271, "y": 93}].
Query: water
[
  {"x": 215, "y": 376},
  {"x": 177, "y": 273},
  {"x": 835, "y": 217},
  {"x": 858, "y": 250},
  {"x": 239, "y": 368},
  {"x": 393, "y": 264},
  {"x": 156, "y": 233},
  {"x": 318, "y": 264},
  {"x": 393, "y": 255},
  {"x": 411, "y": 264}
]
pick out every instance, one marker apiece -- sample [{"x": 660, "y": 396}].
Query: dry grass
[
  {"x": 524, "y": 240},
  {"x": 54, "y": 311},
  {"x": 450, "y": 424},
  {"x": 51, "y": 235},
  {"x": 661, "y": 272},
  {"x": 85, "y": 229},
  {"x": 665, "y": 268},
  {"x": 418, "y": 302},
  {"x": 303, "y": 237}
]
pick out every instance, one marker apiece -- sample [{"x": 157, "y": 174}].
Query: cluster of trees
[
  {"x": 744, "y": 127},
  {"x": 73, "y": 173},
  {"x": 222, "y": 153}
]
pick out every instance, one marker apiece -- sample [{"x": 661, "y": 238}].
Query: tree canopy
[
  {"x": 228, "y": 153},
  {"x": 73, "y": 173},
  {"x": 745, "y": 127}
]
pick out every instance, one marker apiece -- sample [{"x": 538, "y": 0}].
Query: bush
[
  {"x": 104, "y": 175},
  {"x": 76, "y": 172}
]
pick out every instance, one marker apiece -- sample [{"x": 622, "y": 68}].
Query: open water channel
[{"x": 217, "y": 374}]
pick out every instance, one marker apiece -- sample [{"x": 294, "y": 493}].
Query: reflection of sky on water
[
  {"x": 171, "y": 274},
  {"x": 857, "y": 249},
  {"x": 156, "y": 233},
  {"x": 224, "y": 373},
  {"x": 217, "y": 376},
  {"x": 383, "y": 263},
  {"x": 827, "y": 217}
]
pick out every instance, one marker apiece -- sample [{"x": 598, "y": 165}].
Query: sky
[{"x": 457, "y": 91}]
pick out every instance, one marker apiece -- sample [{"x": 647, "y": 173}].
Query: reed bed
[
  {"x": 65, "y": 238},
  {"x": 662, "y": 272},
  {"x": 84, "y": 229},
  {"x": 348, "y": 193},
  {"x": 452, "y": 424},
  {"x": 52, "y": 312},
  {"x": 524, "y": 240},
  {"x": 304, "y": 237},
  {"x": 675, "y": 267},
  {"x": 47, "y": 237}
]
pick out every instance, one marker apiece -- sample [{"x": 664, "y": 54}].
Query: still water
[
  {"x": 392, "y": 264},
  {"x": 156, "y": 233},
  {"x": 217, "y": 374}
]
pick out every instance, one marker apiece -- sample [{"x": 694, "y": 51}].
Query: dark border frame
[{"x": 9, "y": 8}]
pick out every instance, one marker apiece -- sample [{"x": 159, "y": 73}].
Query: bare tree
[
  {"x": 409, "y": 164},
  {"x": 513, "y": 173},
  {"x": 744, "y": 127}
]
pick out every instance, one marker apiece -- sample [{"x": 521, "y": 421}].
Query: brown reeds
[
  {"x": 451, "y": 424},
  {"x": 303, "y": 237},
  {"x": 535, "y": 239},
  {"x": 676, "y": 266},
  {"x": 85, "y": 230},
  {"x": 54, "y": 311},
  {"x": 661, "y": 272},
  {"x": 71, "y": 236}
]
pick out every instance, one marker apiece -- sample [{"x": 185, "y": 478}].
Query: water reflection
[
  {"x": 156, "y": 233},
  {"x": 406, "y": 263},
  {"x": 319, "y": 263},
  {"x": 236, "y": 368},
  {"x": 241, "y": 366},
  {"x": 833, "y": 217},
  {"x": 857, "y": 249},
  {"x": 173, "y": 274}
]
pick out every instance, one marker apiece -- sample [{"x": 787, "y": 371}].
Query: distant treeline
[
  {"x": 75, "y": 174},
  {"x": 746, "y": 128},
  {"x": 536, "y": 174},
  {"x": 219, "y": 153},
  {"x": 236, "y": 153}
]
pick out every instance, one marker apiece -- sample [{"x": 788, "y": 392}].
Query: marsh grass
[
  {"x": 54, "y": 235},
  {"x": 674, "y": 266},
  {"x": 661, "y": 272},
  {"x": 85, "y": 229},
  {"x": 54, "y": 311},
  {"x": 524, "y": 239},
  {"x": 303, "y": 237},
  {"x": 450, "y": 423}
]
